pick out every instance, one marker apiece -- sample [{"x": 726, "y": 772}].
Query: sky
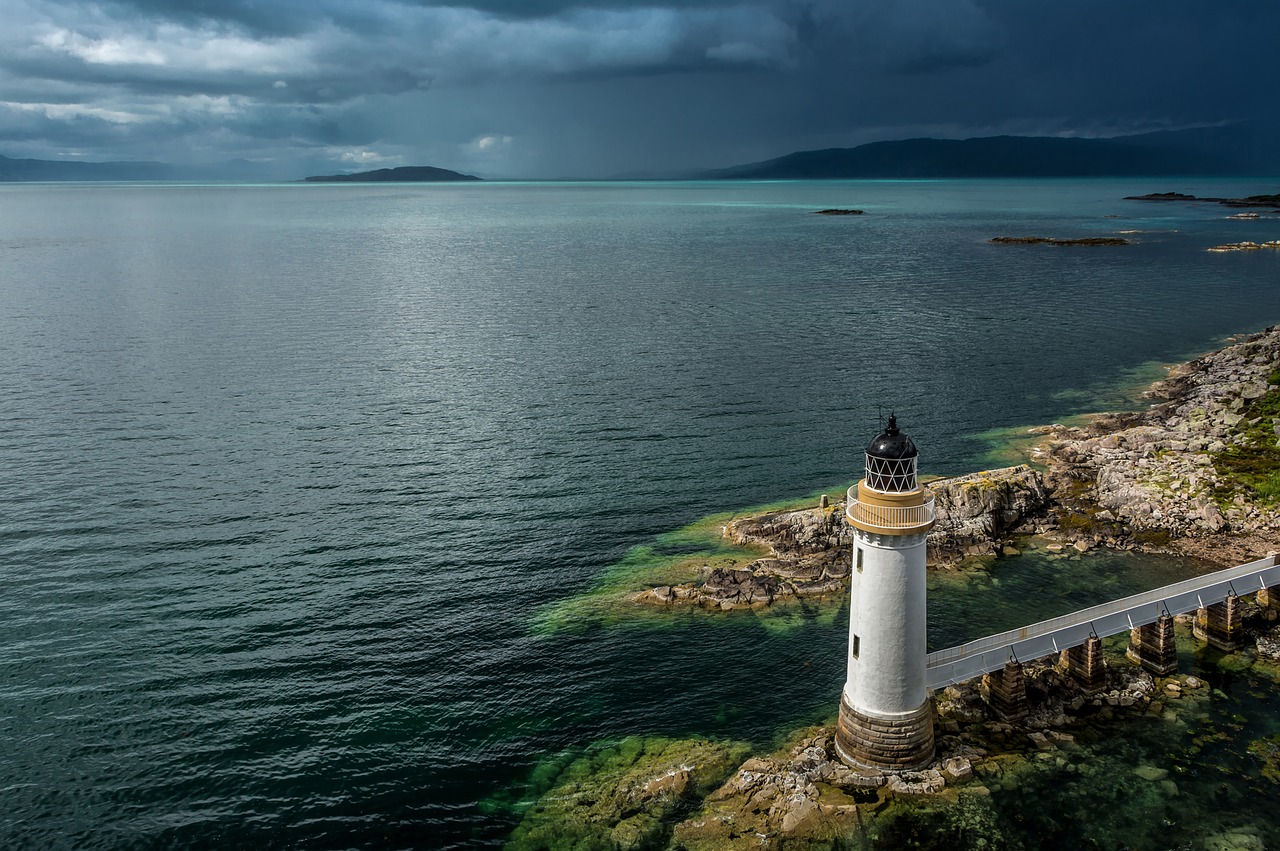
[{"x": 554, "y": 88}]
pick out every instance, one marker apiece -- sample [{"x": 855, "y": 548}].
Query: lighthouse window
[
  {"x": 859, "y": 551},
  {"x": 855, "y": 647}
]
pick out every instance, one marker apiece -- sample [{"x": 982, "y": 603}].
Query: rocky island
[
  {"x": 403, "y": 174},
  {"x": 1047, "y": 240},
  {"x": 1248, "y": 201},
  {"x": 1244, "y": 246}
]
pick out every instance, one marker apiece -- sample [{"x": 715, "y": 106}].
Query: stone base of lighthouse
[{"x": 890, "y": 743}]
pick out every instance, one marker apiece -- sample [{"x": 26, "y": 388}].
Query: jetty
[{"x": 1147, "y": 616}]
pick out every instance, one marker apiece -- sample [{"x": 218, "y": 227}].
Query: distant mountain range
[
  {"x": 1237, "y": 149},
  {"x": 12, "y": 170},
  {"x": 1245, "y": 148},
  {"x": 62, "y": 170},
  {"x": 409, "y": 173}
]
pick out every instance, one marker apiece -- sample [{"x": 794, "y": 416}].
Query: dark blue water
[{"x": 286, "y": 472}]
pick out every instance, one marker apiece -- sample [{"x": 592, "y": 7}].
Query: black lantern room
[{"x": 891, "y": 461}]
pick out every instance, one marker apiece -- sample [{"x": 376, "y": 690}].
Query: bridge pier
[
  {"x": 1006, "y": 691},
  {"x": 1151, "y": 646},
  {"x": 1268, "y": 600},
  {"x": 1219, "y": 624},
  {"x": 1085, "y": 665}
]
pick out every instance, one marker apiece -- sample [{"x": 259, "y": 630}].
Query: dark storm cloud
[{"x": 550, "y": 86}]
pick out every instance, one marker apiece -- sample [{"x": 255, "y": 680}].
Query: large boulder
[{"x": 976, "y": 512}]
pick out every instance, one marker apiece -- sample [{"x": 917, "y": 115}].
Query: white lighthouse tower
[{"x": 886, "y": 721}]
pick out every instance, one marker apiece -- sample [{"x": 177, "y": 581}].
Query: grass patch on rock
[{"x": 1251, "y": 465}]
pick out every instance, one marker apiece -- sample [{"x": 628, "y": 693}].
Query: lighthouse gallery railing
[{"x": 890, "y": 516}]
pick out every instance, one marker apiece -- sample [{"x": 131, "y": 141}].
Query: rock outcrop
[
  {"x": 1248, "y": 201},
  {"x": 1243, "y": 246},
  {"x": 803, "y": 796},
  {"x": 1199, "y": 472},
  {"x": 809, "y": 549},
  {"x": 978, "y": 512}
]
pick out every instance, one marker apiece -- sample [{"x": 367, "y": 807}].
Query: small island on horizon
[{"x": 403, "y": 174}]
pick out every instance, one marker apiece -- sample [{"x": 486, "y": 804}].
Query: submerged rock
[
  {"x": 1151, "y": 773},
  {"x": 625, "y": 796},
  {"x": 1047, "y": 240},
  {"x": 1267, "y": 751},
  {"x": 1243, "y": 839}
]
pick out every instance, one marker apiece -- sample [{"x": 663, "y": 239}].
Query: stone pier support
[
  {"x": 1152, "y": 647},
  {"x": 1085, "y": 665},
  {"x": 1219, "y": 625},
  {"x": 1006, "y": 692},
  {"x": 1269, "y": 601}
]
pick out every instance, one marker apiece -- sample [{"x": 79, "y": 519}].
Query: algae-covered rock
[
  {"x": 1151, "y": 773},
  {"x": 1242, "y": 839},
  {"x": 625, "y": 796},
  {"x": 1235, "y": 663},
  {"x": 1267, "y": 750},
  {"x": 798, "y": 797},
  {"x": 971, "y": 822}
]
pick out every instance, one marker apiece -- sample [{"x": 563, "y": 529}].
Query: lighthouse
[{"x": 886, "y": 721}]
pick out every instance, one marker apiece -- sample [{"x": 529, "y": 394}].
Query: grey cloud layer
[{"x": 642, "y": 81}]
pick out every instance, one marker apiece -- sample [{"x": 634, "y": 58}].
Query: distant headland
[
  {"x": 1272, "y": 200},
  {"x": 403, "y": 174}
]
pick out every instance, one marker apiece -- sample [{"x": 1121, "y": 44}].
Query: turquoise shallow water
[{"x": 287, "y": 472}]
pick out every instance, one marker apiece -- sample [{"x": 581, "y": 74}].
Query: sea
[{"x": 306, "y": 490}]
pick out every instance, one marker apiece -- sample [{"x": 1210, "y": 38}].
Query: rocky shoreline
[{"x": 1197, "y": 474}]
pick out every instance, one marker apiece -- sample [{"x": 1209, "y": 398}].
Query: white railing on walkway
[
  {"x": 966, "y": 661},
  {"x": 898, "y": 518}
]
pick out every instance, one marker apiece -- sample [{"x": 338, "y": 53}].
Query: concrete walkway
[{"x": 966, "y": 661}]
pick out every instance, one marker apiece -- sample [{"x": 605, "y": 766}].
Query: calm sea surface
[{"x": 287, "y": 472}]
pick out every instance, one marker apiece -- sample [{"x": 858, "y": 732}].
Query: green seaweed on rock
[
  {"x": 681, "y": 555},
  {"x": 625, "y": 795}
]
